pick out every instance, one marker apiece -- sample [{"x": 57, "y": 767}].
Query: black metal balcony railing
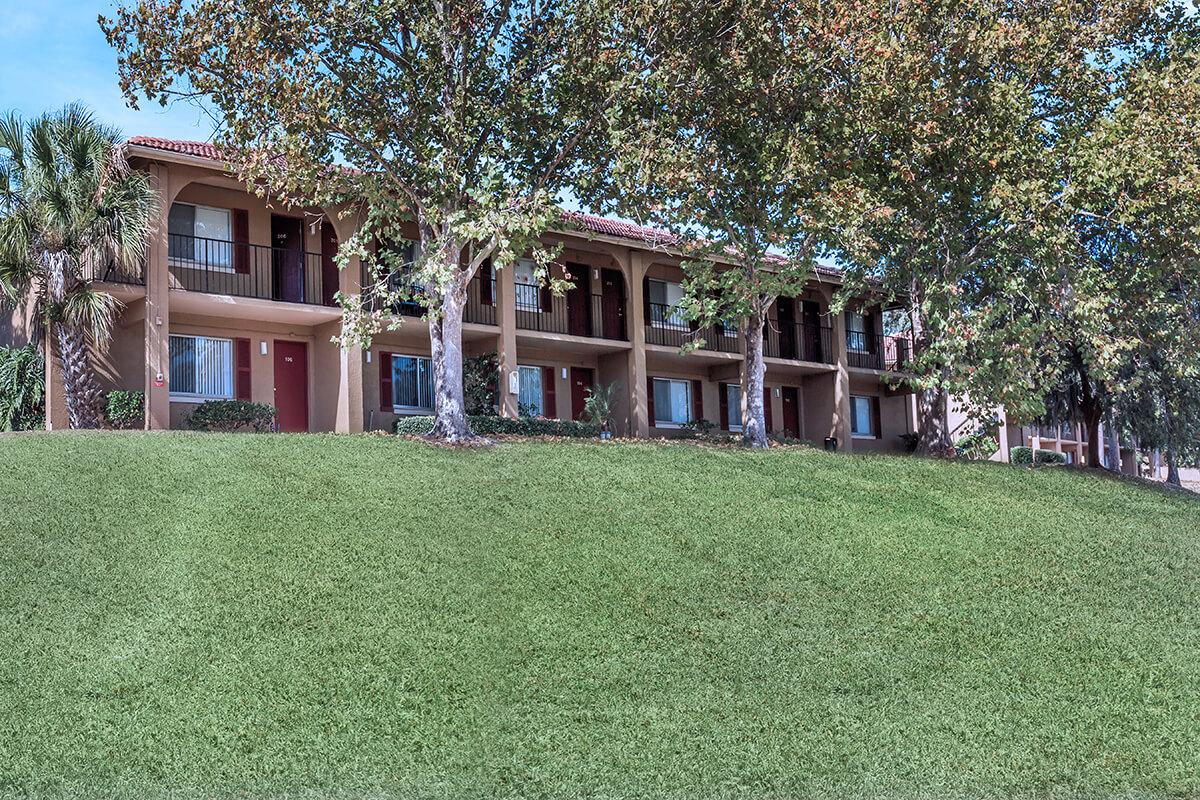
[
  {"x": 480, "y": 308},
  {"x": 248, "y": 270},
  {"x": 667, "y": 326},
  {"x": 873, "y": 351},
  {"x": 798, "y": 341},
  {"x": 112, "y": 273},
  {"x": 577, "y": 313}
]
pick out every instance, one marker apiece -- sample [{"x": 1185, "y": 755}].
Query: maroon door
[
  {"x": 791, "y": 411},
  {"x": 787, "y": 327},
  {"x": 812, "y": 333},
  {"x": 581, "y": 381},
  {"x": 579, "y": 305},
  {"x": 329, "y": 270},
  {"x": 613, "y": 302},
  {"x": 291, "y": 385},
  {"x": 287, "y": 258}
]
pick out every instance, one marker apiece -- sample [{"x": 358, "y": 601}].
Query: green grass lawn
[{"x": 269, "y": 616}]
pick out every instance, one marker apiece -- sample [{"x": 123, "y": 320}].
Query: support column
[
  {"x": 157, "y": 321},
  {"x": 506, "y": 351},
  {"x": 639, "y": 405},
  {"x": 56, "y": 396},
  {"x": 1002, "y": 435}
]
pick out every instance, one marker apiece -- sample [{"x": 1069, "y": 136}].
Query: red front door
[
  {"x": 579, "y": 301},
  {"x": 791, "y": 411},
  {"x": 581, "y": 381},
  {"x": 291, "y": 385},
  {"x": 613, "y": 303},
  {"x": 287, "y": 258}
]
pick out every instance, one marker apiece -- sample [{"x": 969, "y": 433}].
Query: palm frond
[{"x": 94, "y": 310}]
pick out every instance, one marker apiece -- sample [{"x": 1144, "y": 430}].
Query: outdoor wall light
[
  {"x": 368, "y": 356},
  {"x": 262, "y": 348},
  {"x": 564, "y": 373}
]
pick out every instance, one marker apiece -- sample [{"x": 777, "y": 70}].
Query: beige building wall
[{"x": 344, "y": 385}]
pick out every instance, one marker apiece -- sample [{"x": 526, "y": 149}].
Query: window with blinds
[
  {"x": 412, "y": 383},
  {"x": 201, "y": 368}
]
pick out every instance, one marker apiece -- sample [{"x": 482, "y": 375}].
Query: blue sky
[{"x": 52, "y": 52}]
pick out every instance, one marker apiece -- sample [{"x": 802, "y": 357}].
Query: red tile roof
[
  {"x": 574, "y": 219},
  {"x": 184, "y": 147},
  {"x": 619, "y": 228}
]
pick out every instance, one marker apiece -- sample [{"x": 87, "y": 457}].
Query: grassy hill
[{"x": 199, "y": 615}]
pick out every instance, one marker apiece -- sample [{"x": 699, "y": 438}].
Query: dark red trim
[
  {"x": 385, "y": 381},
  {"x": 241, "y": 241},
  {"x": 767, "y": 408},
  {"x": 697, "y": 400},
  {"x": 723, "y": 391},
  {"x": 650, "y": 399},
  {"x": 242, "y": 356},
  {"x": 549, "y": 398}
]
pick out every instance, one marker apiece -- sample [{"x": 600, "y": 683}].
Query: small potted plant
[{"x": 598, "y": 407}]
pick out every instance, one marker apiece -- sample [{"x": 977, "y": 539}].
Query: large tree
[
  {"x": 1109, "y": 309},
  {"x": 725, "y": 147},
  {"x": 70, "y": 208},
  {"x": 465, "y": 117},
  {"x": 959, "y": 111}
]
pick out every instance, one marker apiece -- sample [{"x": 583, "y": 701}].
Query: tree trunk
[
  {"x": 80, "y": 388},
  {"x": 79, "y": 383},
  {"x": 1092, "y": 413},
  {"x": 933, "y": 424},
  {"x": 450, "y": 414},
  {"x": 1172, "y": 456},
  {"x": 1173, "y": 468},
  {"x": 1114, "y": 442},
  {"x": 754, "y": 418}
]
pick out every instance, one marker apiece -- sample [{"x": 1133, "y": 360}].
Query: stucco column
[
  {"x": 157, "y": 321},
  {"x": 1002, "y": 435},
  {"x": 506, "y": 352},
  {"x": 841, "y": 387},
  {"x": 56, "y": 396},
  {"x": 639, "y": 406}
]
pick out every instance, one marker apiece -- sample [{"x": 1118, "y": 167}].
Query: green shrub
[
  {"x": 1024, "y": 456},
  {"x": 22, "y": 388},
  {"x": 977, "y": 446},
  {"x": 231, "y": 416},
  {"x": 414, "y": 426},
  {"x": 480, "y": 382},
  {"x": 488, "y": 425},
  {"x": 125, "y": 410}
]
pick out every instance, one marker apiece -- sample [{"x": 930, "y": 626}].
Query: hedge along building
[{"x": 235, "y": 301}]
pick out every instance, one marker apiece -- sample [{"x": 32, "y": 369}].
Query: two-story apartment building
[{"x": 235, "y": 300}]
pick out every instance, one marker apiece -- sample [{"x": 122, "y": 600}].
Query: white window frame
[
  {"x": 676, "y": 321},
  {"x": 733, "y": 402},
  {"x": 191, "y": 397},
  {"x": 192, "y": 263},
  {"x": 402, "y": 409},
  {"x": 862, "y": 345},
  {"x": 659, "y": 423},
  {"x": 869, "y": 400},
  {"x": 520, "y": 296},
  {"x": 522, "y": 371}
]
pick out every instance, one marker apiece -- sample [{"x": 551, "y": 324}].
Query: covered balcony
[
  {"x": 284, "y": 274},
  {"x": 591, "y": 309},
  {"x": 877, "y": 351}
]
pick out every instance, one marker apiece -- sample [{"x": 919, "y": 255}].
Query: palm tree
[{"x": 69, "y": 207}]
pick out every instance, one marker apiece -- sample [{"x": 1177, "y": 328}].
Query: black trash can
[{"x": 831, "y": 443}]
